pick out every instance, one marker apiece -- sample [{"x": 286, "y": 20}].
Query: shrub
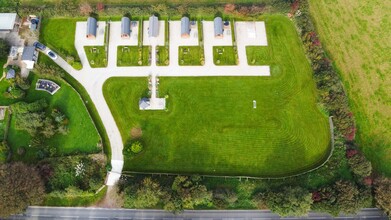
[
  {"x": 21, "y": 151},
  {"x": 136, "y": 147}
]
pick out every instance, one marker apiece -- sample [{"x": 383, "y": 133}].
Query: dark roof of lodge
[
  {"x": 185, "y": 25},
  {"x": 91, "y": 26},
  {"x": 218, "y": 26},
  {"x": 153, "y": 30},
  {"x": 125, "y": 25},
  {"x": 29, "y": 53}
]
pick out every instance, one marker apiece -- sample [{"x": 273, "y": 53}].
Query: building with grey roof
[
  {"x": 91, "y": 28},
  {"x": 8, "y": 22},
  {"x": 29, "y": 56},
  {"x": 185, "y": 27},
  {"x": 125, "y": 27},
  {"x": 218, "y": 27},
  {"x": 144, "y": 103},
  {"x": 153, "y": 29},
  {"x": 10, "y": 74}
]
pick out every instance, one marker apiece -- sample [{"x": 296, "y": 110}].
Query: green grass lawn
[
  {"x": 133, "y": 56},
  {"x": 357, "y": 36},
  {"x": 59, "y": 35},
  {"x": 224, "y": 55},
  {"x": 190, "y": 56},
  {"x": 96, "y": 56},
  {"x": 162, "y": 56},
  {"x": 211, "y": 126},
  {"x": 258, "y": 55},
  {"x": 82, "y": 137}
]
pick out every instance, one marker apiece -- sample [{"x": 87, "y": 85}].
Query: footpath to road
[{"x": 35, "y": 212}]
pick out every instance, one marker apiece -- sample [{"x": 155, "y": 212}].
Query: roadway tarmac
[{"x": 62, "y": 213}]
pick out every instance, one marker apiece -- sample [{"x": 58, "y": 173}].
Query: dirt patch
[{"x": 136, "y": 133}]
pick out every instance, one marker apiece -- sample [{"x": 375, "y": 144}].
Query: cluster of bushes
[
  {"x": 198, "y": 9},
  {"x": 35, "y": 119},
  {"x": 17, "y": 86}
]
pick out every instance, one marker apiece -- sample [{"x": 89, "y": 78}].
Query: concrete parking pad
[
  {"x": 175, "y": 35},
  {"x": 116, "y": 40},
  {"x": 81, "y": 39},
  {"x": 159, "y": 40},
  {"x": 176, "y": 40},
  {"x": 250, "y": 33},
  {"x": 115, "y": 35}
]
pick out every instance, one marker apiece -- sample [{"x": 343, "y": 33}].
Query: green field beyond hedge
[{"x": 211, "y": 126}]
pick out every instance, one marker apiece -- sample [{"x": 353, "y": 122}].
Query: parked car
[
  {"x": 52, "y": 55},
  {"x": 39, "y": 46}
]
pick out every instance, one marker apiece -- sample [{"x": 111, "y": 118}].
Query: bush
[
  {"x": 21, "y": 151},
  {"x": 136, "y": 147}
]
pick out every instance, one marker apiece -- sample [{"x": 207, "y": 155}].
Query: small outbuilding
[
  {"x": 8, "y": 22},
  {"x": 29, "y": 57},
  {"x": 218, "y": 27},
  {"x": 185, "y": 27},
  {"x": 144, "y": 104},
  {"x": 10, "y": 74},
  {"x": 125, "y": 27},
  {"x": 92, "y": 25},
  {"x": 153, "y": 29}
]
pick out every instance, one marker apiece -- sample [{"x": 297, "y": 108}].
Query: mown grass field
[
  {"x": 211, "y": 126},
  {"x": 190, "y": 55},
  {"x": 59, "y": 35},
  {"x": 131, "y": 55},
  {"x": 357, "y": 36},
  {"x": 224, "y": 55},
  {"x": 82, "y": 137},
  {"x": 162, "y": 56},
  {"x": 96, "y": 56}
]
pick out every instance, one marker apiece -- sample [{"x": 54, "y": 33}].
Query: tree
[
  {"x": 360, "y": 165},
  {"x": 4, "y": 49},
  {"x": 290, "y": 201},
  {"x": 343, "y": 196},
  {"x": 147, "y": 195},
  {"x": 223, "y": 197},
  {"x": 21, "y": 186},
  {"x": 191, "y": 192},
  {"x": 382, "y": 194},
  {"x": 137, "y": 147}
]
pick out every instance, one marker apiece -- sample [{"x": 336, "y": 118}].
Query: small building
[
  {"x": 10, "y": 74},
  {"x": 153, "y": 29},
  {"x": 8, "y": 21},
  {"x": 185, "y": 27},
  {"x": 29, "y": 57},
  {"x": 92, "y": 25},
  {"x": 125, "y": 27},
  {"x": 218, "y": 27},
  {"x": 144, "y": 104}
]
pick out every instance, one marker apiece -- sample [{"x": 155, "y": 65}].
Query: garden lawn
[
  {"x": 190, "y": 55},
  {"x": 258, "y": 55},
  {"x": 162, "y": 56},
  {"x": 211, "y": 126},
  {"x": 357, "y": 36},
  {"x": 224, "y": 55},
  {"x": 96, "y": 56},
  {"x": 82, "y": 137},
  {"x": 59, "y": 35},
  {"x": 130, "y": 55}
]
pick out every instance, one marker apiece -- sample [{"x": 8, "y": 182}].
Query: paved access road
[{"x": 99, "y": 213}]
